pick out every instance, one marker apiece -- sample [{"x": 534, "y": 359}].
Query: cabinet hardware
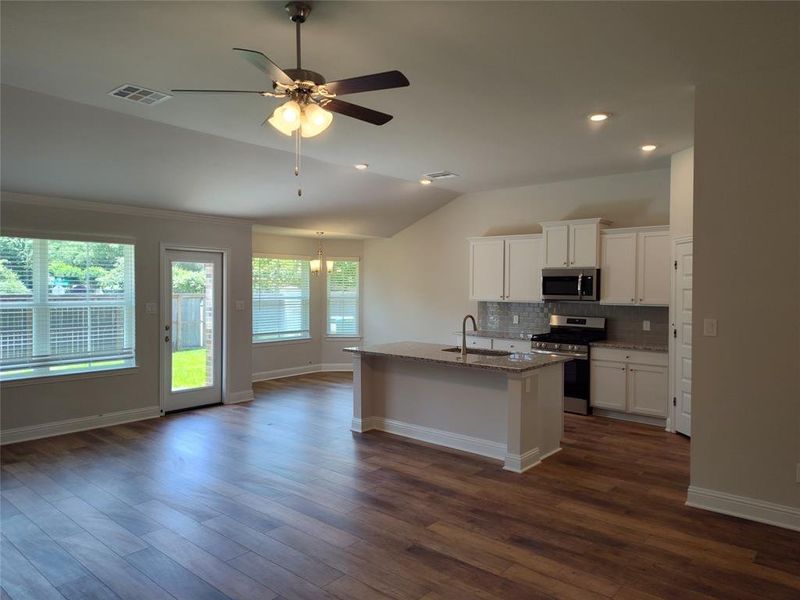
[{"x": 674, "y": 401}]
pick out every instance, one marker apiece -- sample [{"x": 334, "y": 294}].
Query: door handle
[{"x": 580, "y": 284}]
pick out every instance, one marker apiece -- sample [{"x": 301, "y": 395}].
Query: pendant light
[{"x": 316, "y": 263}]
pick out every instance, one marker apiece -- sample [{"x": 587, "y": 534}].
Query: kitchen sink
[{"x": 481, "y": 351}]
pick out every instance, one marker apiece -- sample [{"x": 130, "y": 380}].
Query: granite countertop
[
  {"x": 513, "y": 364},
  {"x": 631, "y": 345}
]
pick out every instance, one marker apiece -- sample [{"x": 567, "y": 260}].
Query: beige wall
[
  {"x": 415, "y": 283},
  {"x": 746, "y": 394},
  {"x": 29, "y": 405},
  {"x": 319, "y": 350},
  {"x": 681, "y": 193}
]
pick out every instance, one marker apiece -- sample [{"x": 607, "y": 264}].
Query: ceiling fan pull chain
[{"x": 297, "y": 160}]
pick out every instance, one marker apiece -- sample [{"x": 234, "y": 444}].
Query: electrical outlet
[
  {"x": 645, "y": 325},
  {"x": 515, "y": 319},
  {"x": 710, "y": 327}
]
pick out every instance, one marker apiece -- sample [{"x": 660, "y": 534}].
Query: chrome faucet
[{"x": 464, "y": 334}]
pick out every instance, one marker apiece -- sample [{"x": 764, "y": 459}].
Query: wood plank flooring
[{"x": 277, "y": 499}]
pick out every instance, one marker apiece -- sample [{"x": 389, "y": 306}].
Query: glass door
[{"x": 192, "y": 332}]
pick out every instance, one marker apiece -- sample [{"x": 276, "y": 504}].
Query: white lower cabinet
[
  {"x": 608, "y": 384},
  {"x": 512, "y": 345},
  {"x": 630, "y": 381},
  {"x": 475, "y": 342}
]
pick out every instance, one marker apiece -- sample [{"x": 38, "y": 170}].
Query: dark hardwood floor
[{"x": 277, "y": 499}]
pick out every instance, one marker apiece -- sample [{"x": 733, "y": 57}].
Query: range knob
[{"x": 556, "y": 346}]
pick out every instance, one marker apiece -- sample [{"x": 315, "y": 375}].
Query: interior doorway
[{"x": 682, "y": 335}]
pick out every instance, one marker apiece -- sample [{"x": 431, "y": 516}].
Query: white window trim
[
  {"x": 285, "y": 341},
  {"x": 132, "y": 364},
  {"x": 349, "y": 336}
]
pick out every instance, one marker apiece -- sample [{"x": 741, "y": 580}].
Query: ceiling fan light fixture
[
  {"x": 286, "y": 118},
  {"x": 314, "y": 120}
]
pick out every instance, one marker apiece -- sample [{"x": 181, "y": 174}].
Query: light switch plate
[
  {"x": 150, "y": 308},
  {"x": 645, "y": 325},
  {"x": 239, "y": 305},
  {"x": 515, "y": 319},
  {"x": 710, "y": 327}
]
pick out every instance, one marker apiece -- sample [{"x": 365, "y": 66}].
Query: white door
[
  {"x": 682, "y": 338},
  {"x": 647, "y": 390},
  {"x": 556, "y": 240},
  {"x": 608, "y": 383},
  {"x": 192, "y": 329},
  {"x": 654, "y": 268},
  {"x": 583, "y": 244},
  {"x": 486, "y": 269},
  {"x": 618, "y": 268},
  {"x": 524, "y": 270}
]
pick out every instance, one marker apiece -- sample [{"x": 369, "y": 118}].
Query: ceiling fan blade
[
  {"x": 357, "y": 112},
  {"x": 368, "y": 83},
  {"x": 265, "y": 65},
  {"x": 262, "y": 92}
]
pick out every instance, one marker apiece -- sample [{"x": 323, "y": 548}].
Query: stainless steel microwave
[{"x": 571, "y": 284}]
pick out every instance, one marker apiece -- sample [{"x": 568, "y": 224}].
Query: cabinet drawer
[
  {"x": 475, "y": 342},
  {"x": 641, "y": 357},
  {"x": 512, "y": 345}
]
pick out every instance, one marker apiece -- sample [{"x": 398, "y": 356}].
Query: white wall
[
  {"x": 29, "y": 405},
  {"x": 276, "y": 358},
  {"x": 681, "y": 193},
  {"x": 746, "y": 381},
  {"x": 415, "y": 283}
]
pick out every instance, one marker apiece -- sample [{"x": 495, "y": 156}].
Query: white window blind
[
  {"x": 280, "y": 298},
  {"x": 65, "y": 306},
  {"x": 343, "y": 298}
]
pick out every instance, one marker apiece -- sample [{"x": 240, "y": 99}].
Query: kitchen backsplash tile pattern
[{"x": 623, "y": 323}]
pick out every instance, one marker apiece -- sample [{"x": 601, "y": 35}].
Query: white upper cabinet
[
  {"x": 634, "y": 266},
  {"x": 618, "y": 268},
  {"x": 556, "y": 246},
  {"x": 524, "y": 269},
  {"x": 486, "y": 269},
  {"x": 506, "y": 268},
  {"x": 654, "y": 261},
  {"x": 572, "y": 243}
]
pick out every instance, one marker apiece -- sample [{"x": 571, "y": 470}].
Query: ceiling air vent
[
  {"x": 138, "y": 94},
  {"x": 440, "y": 175}
]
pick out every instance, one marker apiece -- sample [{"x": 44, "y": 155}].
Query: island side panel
[
  {"x": 442, "y": 404},
  {"x": 535, "y": 417},
  {"x": 362, "y": 397}
]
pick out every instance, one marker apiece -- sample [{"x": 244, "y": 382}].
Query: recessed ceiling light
[
  {"x": 649, "y": 147},
  {"x": 361, "y": 166},
  {"x": 599, "y": 117},
  {"x": 425, "y": 181}
]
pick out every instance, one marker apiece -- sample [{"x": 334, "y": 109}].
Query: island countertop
[{"x": 513, "y": 364}]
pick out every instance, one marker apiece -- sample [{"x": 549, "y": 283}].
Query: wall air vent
[
  {"x": 138, "y": 94},
  {"x": 440, "y": 175}
]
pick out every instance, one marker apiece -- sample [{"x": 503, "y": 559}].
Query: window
[
  {"x": 280, "y": 298},
  {"x": 65, "y": 306},
  {"x": 343, "y": 308}
]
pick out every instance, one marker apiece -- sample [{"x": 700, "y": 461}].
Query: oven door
[
  {"x": 561, "y": 284},
  {"x": 576, "y": 386}
]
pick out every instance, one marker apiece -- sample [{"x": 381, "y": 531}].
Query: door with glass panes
[{"x": 192, "y": 329}]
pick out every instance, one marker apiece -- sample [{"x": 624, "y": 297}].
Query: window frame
[
  {"x": 340, "y": 337},
  {"x": 128, "y": 365},
  {"x": 289, "y": 340}
]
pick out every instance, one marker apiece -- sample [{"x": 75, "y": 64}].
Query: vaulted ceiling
[{"x": 499, "y": 94}]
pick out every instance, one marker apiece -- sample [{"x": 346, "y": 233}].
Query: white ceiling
[{"x": 499, "y": 93}]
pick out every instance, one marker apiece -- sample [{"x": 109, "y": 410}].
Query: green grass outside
[{"x": 189, "y": 369}]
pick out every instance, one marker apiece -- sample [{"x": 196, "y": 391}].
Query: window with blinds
[
  {"x": 65, "y": 306},
  {"x": 343, "y": 299},
  {"x": 280, "y": 298}
]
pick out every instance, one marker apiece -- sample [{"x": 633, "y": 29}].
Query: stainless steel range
[{"x": 571, "y": 336}]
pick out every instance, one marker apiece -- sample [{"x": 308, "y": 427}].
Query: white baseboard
[
  {"x": 303, "y": 370},
  {"x": 517, "y": 463},
  {"x": 34, "y": 432},
  {"x": 744, "y": 507},
  {"x": 237, "y": 397},
  {"x": 439, "y": 437},
  {"x": 621, "y": 416}
]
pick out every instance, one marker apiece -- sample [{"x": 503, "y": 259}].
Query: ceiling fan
[{"x": 311, "y": 98}]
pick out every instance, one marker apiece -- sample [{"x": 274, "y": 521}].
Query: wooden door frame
[
  {"x": 671, "y": 413},
  {"x": 163, "y": 303}
]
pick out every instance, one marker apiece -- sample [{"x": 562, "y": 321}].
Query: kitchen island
[{"x": 507, "y": 407}]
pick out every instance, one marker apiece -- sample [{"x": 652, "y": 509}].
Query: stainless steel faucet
[{"x": 464, "y": 334}]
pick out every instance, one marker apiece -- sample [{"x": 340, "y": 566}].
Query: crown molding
[{"x": 119, "y": 209}]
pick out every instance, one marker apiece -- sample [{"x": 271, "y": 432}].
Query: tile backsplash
[{"x": 622, "y": 322}]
